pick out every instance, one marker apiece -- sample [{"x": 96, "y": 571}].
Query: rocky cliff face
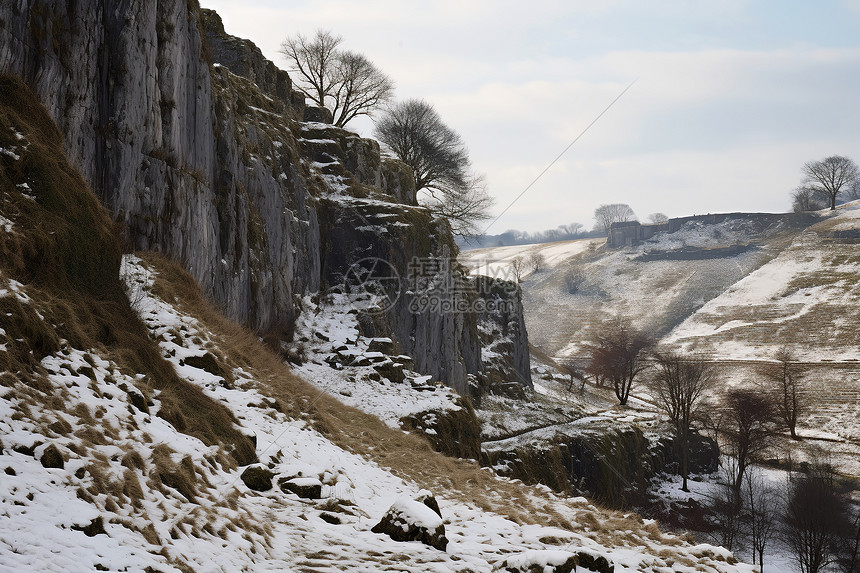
[
  {"x": 194, "y": 142},
  {"x": 171, "y": 146},
  {"x": 504, "y": 340}
]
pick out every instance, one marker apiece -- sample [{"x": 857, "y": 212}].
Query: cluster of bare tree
[
  {"x": 522, "y": 265},
  {"x": 812, "y": 514},
  {"x": 826, "y": 181},
  {"x": 349, "y": 85}
]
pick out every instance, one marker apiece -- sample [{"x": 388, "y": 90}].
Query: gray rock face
[
  {"x": 194, "y": 143},
  {"x": 164, "y": 143},
  {"x": 441, "y": 338},
  {"x": 503, "y": 332}
]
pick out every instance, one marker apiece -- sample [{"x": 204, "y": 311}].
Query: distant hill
[{"x": 659, "y": 282}]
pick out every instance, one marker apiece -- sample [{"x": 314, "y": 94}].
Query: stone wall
[{"x": 627, "y": 233}]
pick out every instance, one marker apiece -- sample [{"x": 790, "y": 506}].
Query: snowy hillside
[
  {"x": 657, "y": 283},
  {"x": 807, "y": 298},
  {"x": 96, "y": 478}
]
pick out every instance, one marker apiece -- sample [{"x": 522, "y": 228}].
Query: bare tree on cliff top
[
  {"x": 605, "y": 215},
  {"x": 678, "y": 386},
  {"x": 416, "y": 135},
  {"x": 345, "y": 83},
  {"x": 830, "y": 177},
  {"x": 618, "y": 354}
]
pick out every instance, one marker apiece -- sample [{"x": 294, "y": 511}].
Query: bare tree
[
  {"x": 605, "y": 215},
  {"x": 814, "y": 518},
  {"x": 786, "y": 384},
  {"x": 830, "y": 177},
  {"x": 572, "y": 228},
  {"x": 465, "y": 208},
  {"x": 678, "y": 387},
  {"x": 314, "y": 60},
  {"x": 804, "y": 199},
  {"x": 849, "y": 554},
  {"x": 618, "y": 354},
  {"x": 727, "y": 511},
  {"x": 518, "y": 267},
  {"x": 537, "y": 262},
  {"x": 416, "y": 135},
  {"x": 761, "y": 514},
  {"x": 746, "y": 426},
  {"x": 345, "y": 83},
  {"x": 574, "y": 374},
  {"x": 360, "y": 88},
  {"x": 658, "y": 218}
]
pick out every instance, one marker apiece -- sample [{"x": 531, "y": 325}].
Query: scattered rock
[
  {"x": 391, "y": 370},
  {"x": 52, "y": 458},
  {"x": 410, "y": 520},
  {"x": 383, "y": 345},
  {"x": 95, "y": 527},
  {"x": 555, "y": 561},
  {"x": 596, "y": 563},
  {"x": 308, "y": 488},
  {"x": 329, "y": 518},
  {"x": 322, "y": 336},
  {"x": 257, "y": 478},
  {"x": 10, "y": 471},
  {"x": 138, "y": 401},
  {"x": 207, "y": 362}
]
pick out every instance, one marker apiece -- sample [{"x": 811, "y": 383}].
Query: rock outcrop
[
  {"x": 610, "y": 461},
  {"x": 504, "y": 340},
  {"x": 196, "y": 145}
]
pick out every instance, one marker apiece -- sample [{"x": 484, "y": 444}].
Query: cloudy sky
[{"x": 730, "y": 98}]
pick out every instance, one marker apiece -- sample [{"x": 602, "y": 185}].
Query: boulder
[
  {"x": 384, "y": 345},
  {"x": 428, "y": 499},
  {"x": 317, "y": 114},
  {"x": 207, "y": 362},
  {"x": 308, "y": 488},
  {"x": 410, "y": 520},
  {"x": 257, "y": 478},
  {"x": 555, "y": 561},
  {"x": 391, "y": 370}
]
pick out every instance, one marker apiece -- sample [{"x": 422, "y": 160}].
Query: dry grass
[{"x": 65, "y": 249}]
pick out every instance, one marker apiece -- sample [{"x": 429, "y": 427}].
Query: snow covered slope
[
  {"x": 135, "y": 493},
  {"x": 807, "y": 298},
  {"x": 658, "y": 283}
]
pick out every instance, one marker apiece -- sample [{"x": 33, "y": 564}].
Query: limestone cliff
[{"x": 195, "y": 144}]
